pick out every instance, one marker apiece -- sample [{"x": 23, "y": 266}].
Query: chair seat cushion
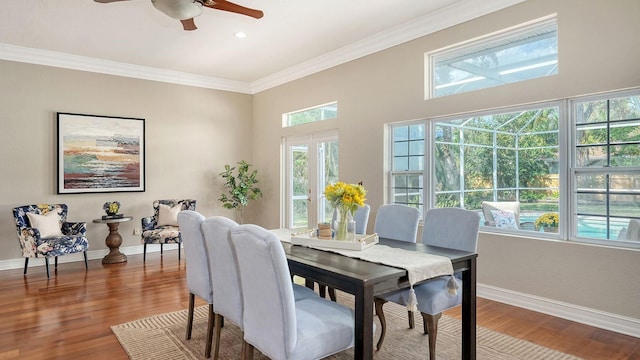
[
  {"x": 324, "y": 328},
  {"x": 162, "y": 235},
  {"x": 62, "y": 245},
  {"x": 433, "y": 297},
  {"x": 303, "y": 292}
]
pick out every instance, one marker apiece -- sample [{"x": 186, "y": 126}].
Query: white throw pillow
[
  {"x": 504, "y": 219},
  {"x": 168, "y": 215},
  {"x": 48, "y": 224}
]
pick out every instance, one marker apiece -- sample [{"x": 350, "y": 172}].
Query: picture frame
[{"x": 98, "y": 154}]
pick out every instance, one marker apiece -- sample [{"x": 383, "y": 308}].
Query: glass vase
[{"x": 344, "y": 227}]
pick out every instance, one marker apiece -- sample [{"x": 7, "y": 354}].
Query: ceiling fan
[{"x": 186, "y": 10}]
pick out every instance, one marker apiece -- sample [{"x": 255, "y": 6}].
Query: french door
[{"x": 312, "y": 163}]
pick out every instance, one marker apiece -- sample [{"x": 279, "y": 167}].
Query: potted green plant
[{"x": 241, "y": 187}]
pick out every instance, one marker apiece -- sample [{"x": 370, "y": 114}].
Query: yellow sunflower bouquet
[{"x": 346, "y": 198}]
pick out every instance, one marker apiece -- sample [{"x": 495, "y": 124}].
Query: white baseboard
[
  {"x": 592, "y": 317},
  {"x": 91, "y": 255}
]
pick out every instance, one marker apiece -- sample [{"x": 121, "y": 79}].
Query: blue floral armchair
[
  {"x": 36, "y": 241},
  {"x": 162, "y": 228}
]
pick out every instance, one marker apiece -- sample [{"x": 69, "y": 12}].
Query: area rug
[{"x": 163, "y": 337}]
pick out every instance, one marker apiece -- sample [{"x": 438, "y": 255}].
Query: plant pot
[{"x": 550, "y": 229}]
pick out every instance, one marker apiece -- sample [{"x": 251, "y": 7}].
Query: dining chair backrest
[
  {"x": 398, "y": 222},
  {"x": 269, "y": 309},
  {"x": 453, "y": 228},
  {"x": 225, "y": 280},
  {"x": 198, "y": 280},
  {"x": 361, "y": 217}
]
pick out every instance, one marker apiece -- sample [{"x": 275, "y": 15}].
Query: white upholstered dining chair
[
  {"x": 453, "y": 228},
  {"x": 198, "y": 279},
  {"x": 274, "y": 323},
  {"x": 225, "y": 278},
  {"x": 398, "y": 222}
]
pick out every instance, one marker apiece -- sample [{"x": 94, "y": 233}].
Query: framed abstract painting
[{"x": 100, "y": 154}]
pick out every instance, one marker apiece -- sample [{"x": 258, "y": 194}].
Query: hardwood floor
[{"x": 69, "y": 316}]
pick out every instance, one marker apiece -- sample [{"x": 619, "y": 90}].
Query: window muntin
[
  {"x": 606, "y": 166},
  {"x": 316, "y": 113},
  {"x": 525, "y": 53}
]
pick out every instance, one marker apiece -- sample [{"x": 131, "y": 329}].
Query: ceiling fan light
[{"x": 179, "y": 9}]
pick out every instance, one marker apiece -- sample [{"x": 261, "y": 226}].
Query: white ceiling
[{"x": 294, "y": 38}]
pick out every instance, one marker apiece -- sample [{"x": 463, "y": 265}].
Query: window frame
[
  {"x": 499, "y": 40},
  {"x": 286, "y": 117}
]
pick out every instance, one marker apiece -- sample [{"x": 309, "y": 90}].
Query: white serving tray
[{"x": 309, "y": 239}]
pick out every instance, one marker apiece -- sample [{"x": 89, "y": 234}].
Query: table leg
[
  {"x": 113, "y": 241},
  {"x": 364, "y": 324},
  {"x": 469, "y": 312}
]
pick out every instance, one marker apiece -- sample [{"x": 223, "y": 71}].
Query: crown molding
[
  {"x": 457, "y": 13},
  {"x": 83, "y": 63}
]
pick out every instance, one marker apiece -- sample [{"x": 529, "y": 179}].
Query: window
[
  {"x": 407, "y": 176},
  {"x": 317, "y": 113},
  {"x": 503, "y": 156},
  {"x": 516, "y": 156},
  {"x": 606, "y": 167},
  {"x": 524, "y": 53}
]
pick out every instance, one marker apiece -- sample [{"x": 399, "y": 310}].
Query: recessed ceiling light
[{"x": 240, "y": 35}]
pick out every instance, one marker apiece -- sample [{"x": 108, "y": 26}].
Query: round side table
[{"x": 114, "y": 240}]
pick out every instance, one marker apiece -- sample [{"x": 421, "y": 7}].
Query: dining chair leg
[
  {"x": 379, "y": 303},
  {"x": 247, "y": 351},
  {"x": 431, "y": 328},
  {"x": 412, "y": 322},
  {"x": 207, "y": 349},
  {"x": 144, "y": 254},
  {"x": 86, "y": 264},
  {"x": 218, "y": 326},
  {"x": 26, "y": 264},
  {"x": 332, "y": 294},
  {"x": 322, "y": 290},
  {"x": 190, "y": 316},
  {"x": 178, "y": 251}
]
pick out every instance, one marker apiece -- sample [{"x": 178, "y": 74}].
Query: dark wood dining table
[{"x": 365, "y": 280}]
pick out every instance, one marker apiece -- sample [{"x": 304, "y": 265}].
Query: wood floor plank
[{"x": 70, "y": 315}]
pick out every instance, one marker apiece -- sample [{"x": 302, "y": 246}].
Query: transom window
[
  {"x": 316, "y": 113},
  {"x": 519, "y": 54}
]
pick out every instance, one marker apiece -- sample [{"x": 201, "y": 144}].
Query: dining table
[{"x": 366, "y": 280}]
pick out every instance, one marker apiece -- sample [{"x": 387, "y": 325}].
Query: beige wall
[
  {"x": 597, "y": 52},
  {"x": 191, "y": 133}
]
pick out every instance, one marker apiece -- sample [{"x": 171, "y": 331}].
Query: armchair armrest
[
  {"x": 148, "y": 223},
  {"x": 74, "y": 228}
]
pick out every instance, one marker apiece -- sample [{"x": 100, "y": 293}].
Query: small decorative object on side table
[
  {"x": 113, "y": 240},
  {"x": 111, "y": 208}
]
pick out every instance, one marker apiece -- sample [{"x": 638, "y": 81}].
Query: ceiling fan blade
[
  {"x": 188, "y": 24},
  {"x": 107, "y": 1},
  {"x": 231, "y": 7}
]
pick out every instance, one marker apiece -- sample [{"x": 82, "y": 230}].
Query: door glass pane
[
  {"x": 300, "y": 186},
  {"x": 328, "y": 156}
]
